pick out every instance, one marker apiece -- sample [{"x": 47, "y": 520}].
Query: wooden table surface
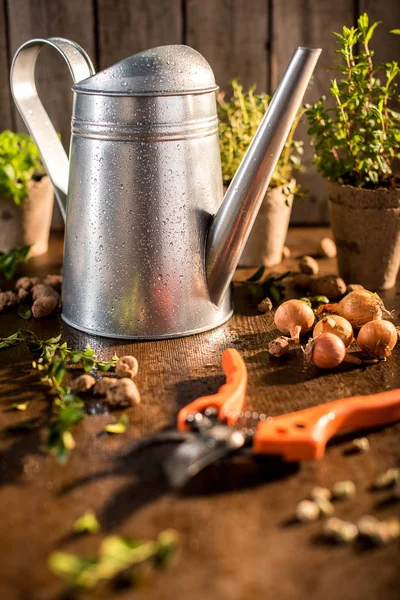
[{"x": 238, "y": 540}]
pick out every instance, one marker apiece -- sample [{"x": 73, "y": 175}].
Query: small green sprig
[
  {"x": 19, "y": 162},
  {"x": 269, "y": 286},
  {"x": 54, "y": 359},
  {"x": 239, "y": 119},
  {"x": 117, "y": 558},
  {"x": 357, "y": 140},
  {"x": 10, "y": 260}
]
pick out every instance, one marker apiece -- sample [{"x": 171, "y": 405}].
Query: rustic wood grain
[
  {"x": 306, "y": 23},
  {"x": 134, "y": 25},
  {"x": 6, "y": 121},
  {"x": 39, "y": 18},
  {"x": 233, "y": 37},
  {"x": 234, "y": 520}
]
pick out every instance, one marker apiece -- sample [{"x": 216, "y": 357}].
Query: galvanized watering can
[{"x": 150, "y": 245}]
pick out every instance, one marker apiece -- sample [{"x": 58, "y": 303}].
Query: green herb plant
[
  {"x": 19, "y": 163},
  {"x": 10, "y": 260},
  {"x": 357, "y": 140},
  {"x": 239, "y": 119},
  {"x": 261, "y": 286},
  {"x": 118, "y": 559},
  {"x": 54, "y": 359}
]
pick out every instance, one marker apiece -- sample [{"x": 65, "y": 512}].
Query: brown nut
[
  {"x": 44, "y": 306},
  {"x": 123, "y": 393},
  {"x": 286, "y": 252},
  {"x": 83, "y": 383},
  {"x": 127, "y": 366},
  {"x": 26, "y": 283},
  {"x": 332, "y": 286},
  {"x": 103, "y": 384},
  {"x": 8, "y": 299},
  {"x": 54, "y": 281},
  {"x": 327, "y": 248},
  {"x": 279, "y": 346},
  {"x": 302, "y": 281},
  {"x": 308, "y": 264},
  {"x": 23, "y": 294},
  {"x": 41, "y": 290},
  {"x": 265, "y": 305}
]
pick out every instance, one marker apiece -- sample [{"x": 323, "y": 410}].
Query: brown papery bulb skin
[
  {"x": 326, "y": 351},
  {"x": 336, "y": 325},
  {"x": 294, "y": 317},
  {"x": 357, "y": 308},
  {"x": 377, "y": 338}
]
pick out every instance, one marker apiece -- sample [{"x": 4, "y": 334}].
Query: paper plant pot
[
  {"x": 267, "y": 237},
  {"x": 29, "y": 223},
  {"x": 366, "y": 229}
]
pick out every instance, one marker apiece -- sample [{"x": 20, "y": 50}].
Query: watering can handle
[{"x": 36, "y": 119}]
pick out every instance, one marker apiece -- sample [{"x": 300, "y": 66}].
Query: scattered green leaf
[
  {"x": 117, "y": 556},
  {"x": 118, "y": 427},
  {"x": 87, "y": 523},
  {"x": 10, "y": 260},
  {"x": 25, "y": 312},
  {"x": 20, "y": 405}
]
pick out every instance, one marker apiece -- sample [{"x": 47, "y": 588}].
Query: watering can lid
[{"x": 165, "y": 70}]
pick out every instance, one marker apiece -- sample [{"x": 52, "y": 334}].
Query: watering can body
[{"x": 143, "y": 189}]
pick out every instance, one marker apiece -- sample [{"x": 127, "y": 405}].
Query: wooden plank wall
[{"x": 249, "y": 39}]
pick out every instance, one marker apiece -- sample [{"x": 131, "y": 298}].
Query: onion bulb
[
  {"x": 377, "y": 338},
  {"x": 294, "y": 317},
  {"x": 358, "y": 308},
  {"x": 338, "y": 326},
  {"x": 327, "y": 351}
]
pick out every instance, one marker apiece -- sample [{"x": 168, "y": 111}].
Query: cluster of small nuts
[
  {"x": 120, "y": 391},
  {"x": 368, "y": 528},
  {"x": 44, "y": 295}
]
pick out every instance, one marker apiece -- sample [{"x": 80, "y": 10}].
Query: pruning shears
[{"x": 209, "y": 427}]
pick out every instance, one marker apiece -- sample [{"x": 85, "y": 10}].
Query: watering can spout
[{"x": 233, "y": 222}]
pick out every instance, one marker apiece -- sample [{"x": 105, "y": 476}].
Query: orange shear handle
[
  {"x": 230, "y": 397},
  {"x": 304, "y": 434}
]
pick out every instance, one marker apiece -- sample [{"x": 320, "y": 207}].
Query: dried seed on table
[
  {"x": 326, "y": 508},
  {"x": 8, "y": 299},
  {"x": 26, "y": 283},
  {"x": 361, "y": 444},
  {"x": 387, "y": 479},
  {"x": 102, "y": 385},
  {"x": 278, "y": 347},
  {"x": 41, "y": 290},
  {"x": 265, "y": 305},
  {"x": 307, "y": 511},
  {"x": 318, "y": 493},
  {"x": 44, "y": 306},
  {"x": 54, "y": 281},
  {"x": 123, "y": 393},
  {"x": 340, "y": 531},
  {"x": 327, "y": 248},
  {"x": 354, "y": 287},
  {"x": 83, "y": 383},
  {"x": 127, "y": 366},
  {"x": 343, "y": 490},
  {"x": 308, "y": 265},
  {"x": 286, "y": 252},
  {"x": 367, "y": 525}
]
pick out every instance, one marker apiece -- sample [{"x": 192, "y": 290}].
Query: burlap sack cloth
[
  {"x": 366, "y": 229},
  {"x": 28, "y": 224}
]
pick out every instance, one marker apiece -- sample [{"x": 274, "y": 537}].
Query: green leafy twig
[
  {"x": 54, "y": 359},
  {"x": 117, "y": 558},
  {"x": 10, "y": 260},
  {"x": 239, "y": 118},
  {"x": 269, "y": 286},
  {"x": 357, "y": 140}
]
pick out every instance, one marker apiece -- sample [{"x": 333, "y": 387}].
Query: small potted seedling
[
  {"x": 239, "y": 119},
  {"x": 26, "y": 195},
  {"x": 357, "y": 139}
]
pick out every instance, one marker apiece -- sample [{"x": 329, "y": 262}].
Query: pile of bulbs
[{"x": 360, "y": 311}]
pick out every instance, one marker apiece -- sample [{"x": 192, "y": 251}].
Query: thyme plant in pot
[
  {"x": 356, "y": 143},
  {"x": 239, "y": 118},
  {"x": 26, "y": 195}
]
